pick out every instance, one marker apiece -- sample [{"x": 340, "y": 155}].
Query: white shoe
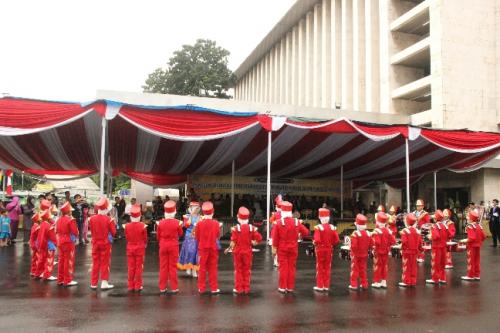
[
  {"x": 448, "y": 267},
  {"x": 318, "y": 289},
  {"x": 477, "y": 279},
  {"x": 402, "y": 284},
  {"x": 443, "y": 281},
  {"x": 51, "y": 278},
  {"x": 466, "y": 278},
  {"x": 175, "y": 291},
  {"x": 93, "y": 287},
  {"x": 188, "y": 272},
  {"x": 376, "y": 285},
  {"x": 215, "y": 292},
  {"x": 353, "y": 288},
  {"x": 105, "y": 285},
  {"x": 72, "y": 283},
  {"x": 289, "y": 290},
  {"x": 195, "y": 273},
  {"x": 420, "y": 260},
  {"x": 283, "y": 291},
  {"x": 431, "y": 281},
  {"x": 326, "y": 290},
  {"x": 383, "y": 284},
  {"x": 163, "y": 291},
  {"x": 235, "y": 291}
]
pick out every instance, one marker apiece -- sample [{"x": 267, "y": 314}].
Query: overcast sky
[{"x": 66, "y": 50}]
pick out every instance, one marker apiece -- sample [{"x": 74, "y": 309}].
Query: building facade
[{"x": 435, "y": 61}]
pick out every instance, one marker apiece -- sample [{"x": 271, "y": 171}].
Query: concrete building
[{"x": 434, "y": 62}]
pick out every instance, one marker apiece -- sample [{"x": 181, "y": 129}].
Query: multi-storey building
[{"x": 435, "y": 61}]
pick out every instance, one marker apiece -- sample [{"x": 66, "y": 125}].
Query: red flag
[{"x": 8, "y": 189}]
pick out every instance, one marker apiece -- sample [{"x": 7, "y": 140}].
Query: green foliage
[
  {"x": 198, "y": 70},
  {"x": 120, "y": 182},
  {"x": 19, "y": 184}
]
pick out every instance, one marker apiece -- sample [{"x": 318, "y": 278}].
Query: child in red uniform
[
  {"x": 411, "y": 246},
  {"x": 361, "y": 243},
  {"x": 33, "y": 242},
  {"x": 168, "y": 232},
  {"x": 475, "y": 238},
  {"x": 325, "y": 239},
  {"x": 451, "y": 235},
  {"x": 46, "y": 247},
  {"x": 207, "y": 232},
  {"x": 243, "y": 237},
  {"x": 137, "y": 240},
  {"x": 439, "y": 237},
  {"x": 67, "y": 234},
  {"x": 383, "y": 239}
]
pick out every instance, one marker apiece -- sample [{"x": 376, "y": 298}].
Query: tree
[{"x": 198, "y": 70}]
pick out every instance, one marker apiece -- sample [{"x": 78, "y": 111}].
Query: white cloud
[{"x": 66, "y": 50}]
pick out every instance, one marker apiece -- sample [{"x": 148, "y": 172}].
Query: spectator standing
[
  {"x": 120, "y": 212},
  {"x": 28, "y": 210},
  {"x": 78, "y": 206},
  {"x": 14, "y": 210},
  {"x": 494, "y": 217}
]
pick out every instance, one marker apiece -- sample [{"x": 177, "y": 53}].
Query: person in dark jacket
[{"x": 494, "y": 217}]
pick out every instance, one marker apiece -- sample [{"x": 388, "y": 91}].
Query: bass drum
[
  {"x": 345, "y": 252},
  {"x": 396, "y": 251}
]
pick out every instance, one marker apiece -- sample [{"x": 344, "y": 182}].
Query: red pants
[
  {"x": 169, "y": 256},
  {"x": 380, "y": 267},
  {"x": 287, "y": 261},
  {"x": 358, "y": 269},
  {"x": 66, "y": 263},
  {"x": 34, "y": 261},
  {"x": 474, "y": 262},
  {"x": 438, "y": 262},
  {"x": 410, "y": 269},
  {"x": 208, "y": 263},
  {"x": 101, "y": 259},
  {"x": 242, "y": 271},
  {"x": 41, "y": 262},
  {"x": 449, "y": 259},
  {"x": 323, "y": 267},
  {"x": 45, "y": 263},
  {"x": 135, "y": 261}
]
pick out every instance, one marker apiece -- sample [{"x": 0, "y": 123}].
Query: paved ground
[{"x": 27, "y": 305}]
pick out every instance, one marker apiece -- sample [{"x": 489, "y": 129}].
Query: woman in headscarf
[{"x": 14, "y": 209}]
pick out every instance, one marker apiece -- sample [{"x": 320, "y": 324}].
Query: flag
[
  {"x": 1, "y": 177},
  {"x": 8, "y": 189}
]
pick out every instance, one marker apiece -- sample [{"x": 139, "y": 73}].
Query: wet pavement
[{"x": 28, "y": 305}]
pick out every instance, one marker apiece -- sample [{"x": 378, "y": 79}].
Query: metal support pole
[
  {"x": 268, "y": 206},
  {"x": 103, "y": 153},
  {"x": 407, "y": 176},
  {"x": 435, "y": 191},
  {"x": 342, "y": 191},
  {"x": 232, "y": 189}
]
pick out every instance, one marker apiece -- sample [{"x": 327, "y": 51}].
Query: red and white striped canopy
[{"x": 161, "y": 145}]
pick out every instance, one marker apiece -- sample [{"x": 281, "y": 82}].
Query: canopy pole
[
  {"x": 103, "y": 152},
  {"x": 342, "y": 191},
  {"x": 232, "y": 189},
  {"x": 435, "y": 191},
  {"x": 268, "y": 206},
  {"x": 407, "y": 176}
]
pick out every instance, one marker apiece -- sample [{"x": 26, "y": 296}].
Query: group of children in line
[{"x": 48, "y": 235}]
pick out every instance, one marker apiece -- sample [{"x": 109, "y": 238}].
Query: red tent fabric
[{"x": 161, "y": 145}]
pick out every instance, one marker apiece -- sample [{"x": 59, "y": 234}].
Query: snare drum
[
  {"x": 396, "y": 251},
  {"x": 345, "y": 252},
  {"x": 452, "y": 246}
]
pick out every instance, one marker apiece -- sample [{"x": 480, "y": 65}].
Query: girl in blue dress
[
  {"x": 4, "y": 228},
  {"x": 188, "y": 257}
]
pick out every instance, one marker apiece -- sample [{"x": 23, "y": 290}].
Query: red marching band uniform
[
  {"x": 34, "y": 243},
  {"x": 67, "y": 234},
  {"x": 207, "y": 232},
  {"x": 439, "y": 236},
  {"x": 451, "y": 235},
  {"x": 46, "y": 247},
  {"x": 168, "y": 232},
  {"x": 411, "y": 246},
  {"x": 276, "y": 216},
  {"x": 325, "y": 239},
  {"x": 285, "y": 244},
  {"x": 243, "y": 237},
  {"x": 475, "y": 238},
  {"x": 137, "y": 240},
  {"x": 361, "y": 243},
  {"x": 103, "y": 230},
  {"x": 383, "y": 240}
]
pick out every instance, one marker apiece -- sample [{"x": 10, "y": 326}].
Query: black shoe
[{"x": 494, "y": 245}]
